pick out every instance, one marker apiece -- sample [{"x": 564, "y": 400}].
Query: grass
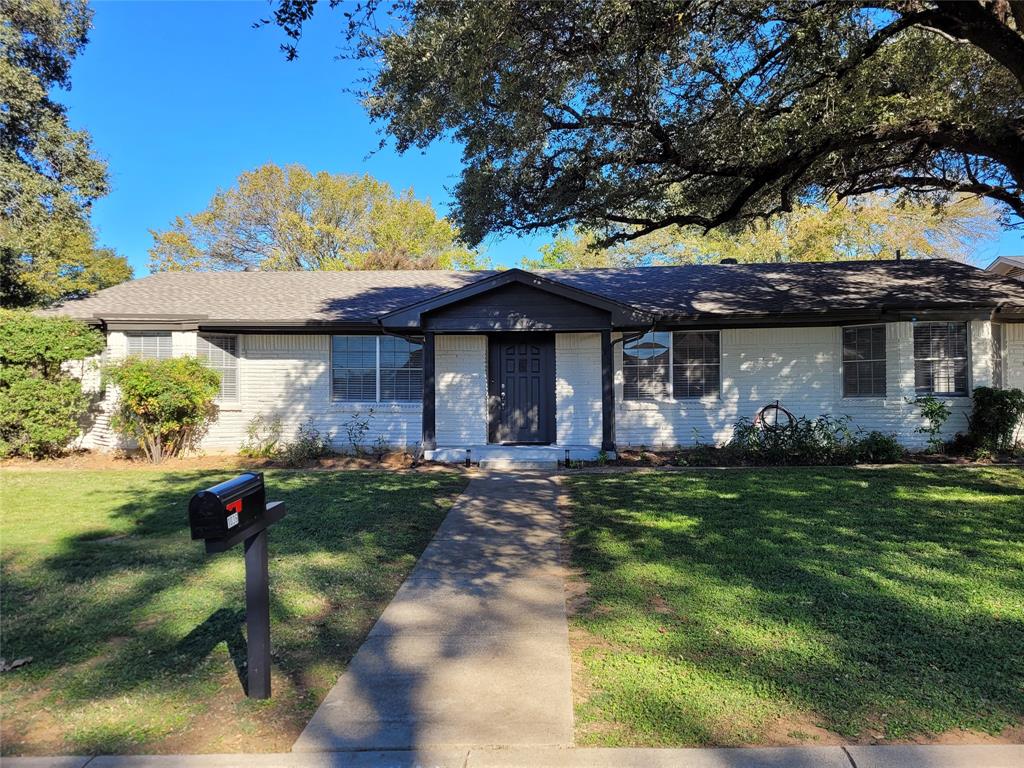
[
  {"x": 137, "y": 637},
  {"x": 799, "y": 605}
]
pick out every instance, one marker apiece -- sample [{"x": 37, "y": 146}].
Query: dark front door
[{"x": 522, "y": 388}]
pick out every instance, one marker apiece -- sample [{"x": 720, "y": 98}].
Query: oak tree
[{"x": 628, "y": 117}]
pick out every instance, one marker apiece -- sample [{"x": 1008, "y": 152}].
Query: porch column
[
  {"x": 607, "y": 393},
  {"x": 428, "y": 441}
]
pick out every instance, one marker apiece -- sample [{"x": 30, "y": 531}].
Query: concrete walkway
[{"x": 474, "y": 648}]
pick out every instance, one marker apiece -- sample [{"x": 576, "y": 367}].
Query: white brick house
[{"x": 582, "y": 360}]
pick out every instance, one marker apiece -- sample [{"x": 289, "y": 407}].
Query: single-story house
[
  {"x": 1010, "y": 266},
  {"x": 585, "y": 360}
]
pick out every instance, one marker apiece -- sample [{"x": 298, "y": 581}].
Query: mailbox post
[{"x": 223, "y": 516}]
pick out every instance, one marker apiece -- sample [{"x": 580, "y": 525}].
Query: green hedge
[{"x": 41, "y": 406}]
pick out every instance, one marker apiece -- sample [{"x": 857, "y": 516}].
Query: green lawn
[
  {"x": 799, "y": 605},
  {"x": 137, "y": 636}
]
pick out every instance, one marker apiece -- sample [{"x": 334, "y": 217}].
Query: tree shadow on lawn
[
  {"x": 139, "y": 617},
  {"x": 885, "y": 602}
]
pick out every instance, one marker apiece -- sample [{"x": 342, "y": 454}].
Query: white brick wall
[
  {"x": 289, "y": 375},
  {"x": 460, "y": 414},
  {"x": 801, "y": 367},
  {"x": 578, "y": 388},
  {"x": 286, "y": 376}
]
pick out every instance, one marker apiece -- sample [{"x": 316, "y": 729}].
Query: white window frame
[
  {"x": 842, "y": 363},
  {"x": 672, "y": 365},
  {"x": 670, "y": 397},
  {"x": 376, "y": 358},
  {"x": 238, "y": 368},
  {"x": 129, "y": 335},
  {"x": 967, "y": 358}
]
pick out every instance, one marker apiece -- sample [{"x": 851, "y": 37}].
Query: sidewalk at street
[{"x": 903, "y": 756}]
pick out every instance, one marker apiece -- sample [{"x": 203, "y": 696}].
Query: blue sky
[{"x": 181, "y": 97}]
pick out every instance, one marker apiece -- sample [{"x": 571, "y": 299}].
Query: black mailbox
[
  {"x": 228, "y": 508},
  {"x": 230, "y": 513}
]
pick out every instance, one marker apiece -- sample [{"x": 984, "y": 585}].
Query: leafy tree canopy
[
  {"x": 626, "y": 118},
  {"x": 49, "y": 176},
  {"x": 290, "y": 218},
  {"x": 874, "y": 226},
  {"x": 41, "y": 405}
]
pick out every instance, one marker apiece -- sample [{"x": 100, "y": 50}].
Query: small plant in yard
[
  {"x": 936, "y": 413},
  {"x": 262, "y": 437},
  {"x": 995, "y": 421},
  {"x": 310, "y": 443},
  {"x": 166, "y": 405},
  {"x": 602, "y": 458},
  {"x": 878, "y": 448},
  {"x": 41, "y": 406},
  {"x": 380, "y": 447},
  {"x": 356, "y": 429}
]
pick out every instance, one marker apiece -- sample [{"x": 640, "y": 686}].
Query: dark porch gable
[{"x": 516, "y": 300}]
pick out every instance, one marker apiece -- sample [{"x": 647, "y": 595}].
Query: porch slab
[{"x": 513, "y": 453}]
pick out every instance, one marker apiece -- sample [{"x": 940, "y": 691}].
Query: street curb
[{"x": 895, "y": 756}]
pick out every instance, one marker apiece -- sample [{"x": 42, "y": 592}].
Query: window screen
[
  {"x": 940, "y": 358},
  {"x": 864, "y": 361},
  {"x": 221, "y": 354},
  {"x": 401, "y": 369},
  {"x": 645, "y": 362},
  {"x": 151, "y": 345},
  {"x": 695, "y": 364},
  {"x": 354, "y": 368}
]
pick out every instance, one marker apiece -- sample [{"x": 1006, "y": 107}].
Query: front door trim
[{"x": 546, "y": 342}]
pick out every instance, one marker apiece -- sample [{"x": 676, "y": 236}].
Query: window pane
[
  {"x": 695, "y": 365},
  {"x": 940, "y": 358},
  {"x": 150, "y": 345},
  {"x": 401, "y": 369},
  {"x": 354, "y": 368},
  {"x": 221, "y": 354},
  {"x": 645, "y": 362},
  {"x": 864, "y": 361}
]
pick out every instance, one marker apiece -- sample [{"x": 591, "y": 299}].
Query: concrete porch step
[
  {"x": 522, "y": 456},
  {"x": 519, "y": 464}
]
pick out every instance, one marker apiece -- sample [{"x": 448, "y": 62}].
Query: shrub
[
  {"x": 309, "y": 444},
  {"x": 166, "y": 405},
  {"x": 356, "y": 429},
  {"x": 41, "y": 406},
  {"x": 936, "y": 413},
  {"x": 824, "y": 440},
  {"x": 877, "y": 448},
  {"x": 262, "y": 438},
  {"x": 995, "y": 419}
]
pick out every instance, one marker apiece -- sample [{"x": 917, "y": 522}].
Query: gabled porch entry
[{"x": 509, "y": 326}]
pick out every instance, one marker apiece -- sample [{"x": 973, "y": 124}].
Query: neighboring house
[
  {"x": 1010, "y": 266},
  {"x": 585, "y": 359}
]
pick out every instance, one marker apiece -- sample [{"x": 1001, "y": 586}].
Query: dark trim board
[
  {"x": 543, "y": 396},
  {"x": 607, "y": 392},
  {"x": 616, "y": 312},
  {"x": 429, "y": 436}
]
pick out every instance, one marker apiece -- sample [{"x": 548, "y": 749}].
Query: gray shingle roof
[{"x": 743, "y": 290}]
